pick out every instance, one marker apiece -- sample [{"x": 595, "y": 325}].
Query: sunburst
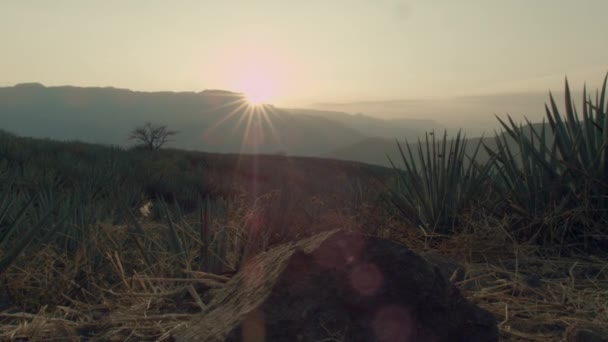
[{"x": 256, "y": 120}]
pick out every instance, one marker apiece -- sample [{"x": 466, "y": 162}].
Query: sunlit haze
[{"x": 299, "y": 52}]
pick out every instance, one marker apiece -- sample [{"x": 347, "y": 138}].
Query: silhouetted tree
[{"x": 152, "y": 137}]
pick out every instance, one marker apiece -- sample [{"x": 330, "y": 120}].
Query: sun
[
  {"x": 259, "y": 88},
  {"x": 258, "y": 96}
]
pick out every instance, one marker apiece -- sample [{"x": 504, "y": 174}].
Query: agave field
[{"x": 79, "y": 259}]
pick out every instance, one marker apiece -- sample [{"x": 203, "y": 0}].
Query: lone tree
[{"x": 152, "y": 137}]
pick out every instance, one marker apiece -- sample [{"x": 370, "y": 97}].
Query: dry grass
[
  {"x": 565, "y": 293},
  {"x": 139, "y": 307},
  {"x": 534, "y": 295}
]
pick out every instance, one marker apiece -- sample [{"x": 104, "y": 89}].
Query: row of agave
[
  {"x": 550, "y": 180},
  {"x": 51, "y": 199},
  {"x": 58, "y": 195},
  {"x": 39, "y": 206}
]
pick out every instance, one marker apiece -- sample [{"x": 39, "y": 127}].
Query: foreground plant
[
  {"x": 22, "y": 229},
  {"x": 557, "y": 182},
  {"x": 439, "y": 182}
]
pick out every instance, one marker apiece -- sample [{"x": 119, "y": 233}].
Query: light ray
[
  {"x": 241, "y": 105},
  {"x": 268, "y": 120}
]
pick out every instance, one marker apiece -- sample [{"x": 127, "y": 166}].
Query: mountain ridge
[{"x": 212, "y": 120}]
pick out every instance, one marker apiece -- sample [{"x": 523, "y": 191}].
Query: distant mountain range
[
  {"x": 473, "y": 114},
  {"x": 381, "y": 151},
  {"x": 401, "y": 128},
  {"x": 214, "y": 121},
  {"x": 211, "y": 120}
]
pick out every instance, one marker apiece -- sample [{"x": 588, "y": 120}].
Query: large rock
[{"x": 340, "y": 286}]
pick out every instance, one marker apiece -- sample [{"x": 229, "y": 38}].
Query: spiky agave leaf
[
  {"x": 438, "y": 182},
  {"x": 552, "y": 174},
  {"x": 175, "y": 244},
  {"x": 20, "y": 243}
]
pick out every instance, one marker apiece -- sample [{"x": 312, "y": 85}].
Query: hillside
[
  {"x": 402, "y": 128},
  {"x": 377, "y": 151},
  {"x": 472, "y": 113},
  {"x": 173, "y": 173},
  {"x": 130, "y": 273},
  {"x": 222, "y": 121},
  {"x": 211, "y": 120}
]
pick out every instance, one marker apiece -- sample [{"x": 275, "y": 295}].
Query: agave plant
[
  {"x": 438, "y": 182},
  {"x": 545, "y": 174},
  {"x": 582, "y": 144},
  {"x": 529, "y": 175},
  {"x": 22, "y": 229},
  {"x": 184, "y": 238}
]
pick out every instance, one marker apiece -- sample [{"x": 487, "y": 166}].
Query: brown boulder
[{"x": 340, "y": 286}]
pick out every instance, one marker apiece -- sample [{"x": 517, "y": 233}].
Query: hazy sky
[{"x": 313, "y": 50}]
